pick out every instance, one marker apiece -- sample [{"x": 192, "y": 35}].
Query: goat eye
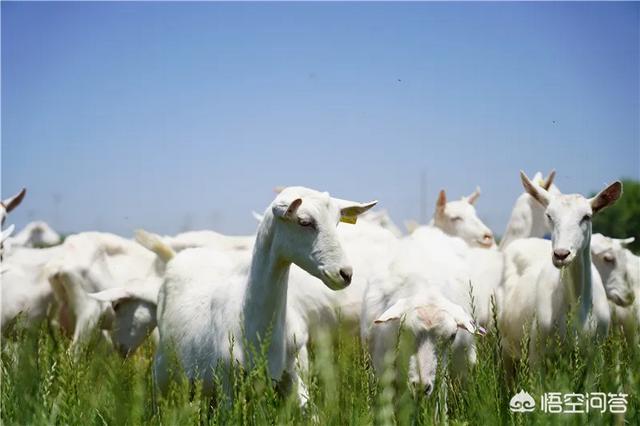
[
  {"x": 549, "y": 217},
  {"x": 586, "y": 218},
  {"x": 456, "y": 218},
  {"x": 306, "y": 223},
  {"x": 608, "y": 258}
]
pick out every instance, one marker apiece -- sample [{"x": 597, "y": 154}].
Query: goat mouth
[
  {"x": 485, "y": 243},
  {"x": 561, "y": 263},
  {"x": 334, "y": 282}
]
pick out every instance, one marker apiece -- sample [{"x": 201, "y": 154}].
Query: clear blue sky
[{"x": 167, "y": 115}]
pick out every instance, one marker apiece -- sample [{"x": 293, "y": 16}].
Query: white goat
[
  {"x": 611, "y": 260},
  {"x": 36, "y": 234},
  {"x": 459, "y": 219},
  {"x": 134, "y": 313},
  {"x": 620, "y": 273},
  {"x": 477, "y": 263},
  {"x": 25, "y": 288},
  {"x": 527, "y": 217},
  {"x": 208, "y": 306},
  {"x": 535, "y": 288},
  {"x": 455, "y": 251},
  {"x": 91, "y": 262},
  {"x": 429, "y": 316},
  {"x": 528, "y": 220},
  {"x": 311, "y": 307},
  {"x": 134, "y": 306}
]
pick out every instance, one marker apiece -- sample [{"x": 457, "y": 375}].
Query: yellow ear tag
[{"x": 349, "y": 219}]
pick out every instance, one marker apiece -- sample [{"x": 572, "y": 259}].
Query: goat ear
[
  {"x": 539, "y": 194},
  {"x": 471, "y": 199},
  {"x": 257, "y": 216},
  {"x": 442, "y": 200},
  {"x": 393, "y": 313},
  {"x": 606, "y": 197},
  {"x": 112, "y": 295},
  {"x": 626, "y": 241},
  {"x": 546, "y": 184},
  {"x": 13, "y": 202},
  {"x": 350, "y": 210},
  {"x": 117, "y": 294},
  {"x": 471, "y": 327},
  {"x": 287, "y": 211}
]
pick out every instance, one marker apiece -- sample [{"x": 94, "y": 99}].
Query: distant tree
[{"x": 622, "y": 220}]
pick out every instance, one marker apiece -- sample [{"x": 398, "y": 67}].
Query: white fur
[
  {"x": 535, "y": 287},
  {"x": 459, "y": 219},
  {"x": 207, "y": 238},
  {"x": 620, "y": 273},
  {"x": 383, "y": 219},
  {"x": 91, "y": 262},
  {"x": 630, "y": 316},
  {"x": 6, "y": 233},
  {"x": 528, "y": 220},
  {"x": 426, "y": 264},
  {"x": 36, "y": 234},
  {"x": 134, "y": 313},
  {"x": 527, "y": 216},
  {"x": 209, "y": 300},
  {"x": 25, "y": 288},
  {"x": 610, "y": 258},
  {"x": 401, "y": 295}
]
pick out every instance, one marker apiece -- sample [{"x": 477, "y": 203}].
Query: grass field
[{"x": 43, "y": 384}]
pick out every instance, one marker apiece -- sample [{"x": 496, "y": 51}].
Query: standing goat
[
  {"x": 209, "y": 308},
  {"x": 527, "y": 217},
  {"x": 542, "y": 293}
]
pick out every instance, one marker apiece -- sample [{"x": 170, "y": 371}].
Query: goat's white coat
[
  {"x": 535, "y": 287},
  {"x": 91, "y": 262},
  {"x": 25, "y": 288},
  {"x": 6, "y": 233},
  {"x": 422, "y": 273},
  {"x": 459, "y": 219},
  {"x": 231, "y": 302},
  {"x": 527, "y": 216},
  {"x": 134, "y": 313},
  {"x": 630, "y": 316},
  {"x": 620, "y": 272},
  {"x": 610, "y": 259},
  {"x": 36, "y": 234}
]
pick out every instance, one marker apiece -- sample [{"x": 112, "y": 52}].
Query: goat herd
[{"x": 208, "y": 299}]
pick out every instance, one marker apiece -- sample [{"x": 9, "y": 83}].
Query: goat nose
[
  {"x": 488, "y": 236},
  {"x": 346, "y": 273},
  {"x": 561, "y": 254}
]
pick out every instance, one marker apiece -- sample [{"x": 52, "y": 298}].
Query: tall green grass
[{"x": 42, "y": 383}]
